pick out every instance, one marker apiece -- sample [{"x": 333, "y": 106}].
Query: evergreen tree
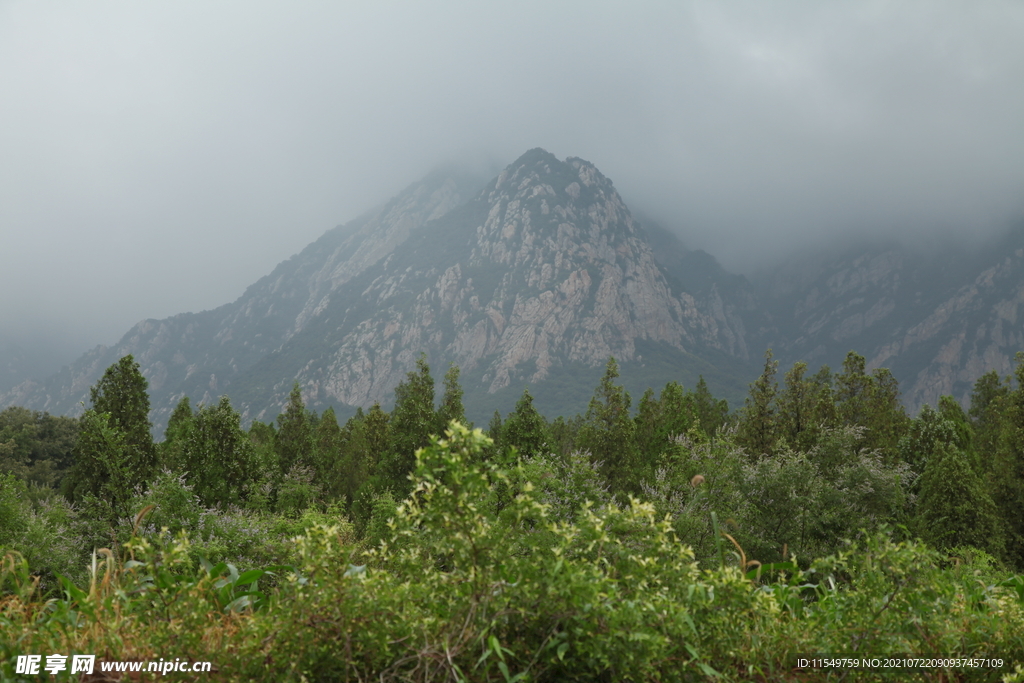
[
  {"x": 797, "y": 405},
  {"x": 332, "y": 461},
  {"x": 412, "y": 422},
  {"x": 608, "y": 434},
  {"x": 105, "y": 477},
  {"x": 917, "y": 447},
  {"x": 650, "y": 438},
  {"x": 886, "y": 418},
  {"x": 674, "y": 412},
  {"x": 354, "y": 462},
  {"x": 451, "y": 407},
  {"x": 121, "y": 393},
  {"x": 680, "y": 409},
  {"x": 264, "y": 442},
  {"x": 180, "y": 420},
  {"x": 178, "y": 428},
  {"x": 494, "y": 429},
  {"x": 758, "y": 426},
  {"x": 294, "y": 441},
  {"x": 525, "y": 429},
  {"x": 119, "y": 420},
  {"x": 711, "y": 413},
  {"x": 988, "y": 402},
  {"x": 853, "y": 389},
  {"x": 826, "y": 414},
  {"x": 954, "y": 508},
  {"x": 35, "y": 446},
  {"x": 961, "y": 432},
  {"x": 370, "y": 448},
  {"x": 217, "y": 455},
  {"x": 988, "y": 391},
  {"x": 1007, "y": 469},
  {"x": 873, "y": 402},
  {"x": 377, "y": 438},
  {"x": 564, "y": 434}
]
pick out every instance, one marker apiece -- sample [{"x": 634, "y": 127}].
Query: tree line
[{"x": 806, "y": 463}]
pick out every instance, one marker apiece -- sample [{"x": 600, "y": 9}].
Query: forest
[{"x": 676, "y": 540}]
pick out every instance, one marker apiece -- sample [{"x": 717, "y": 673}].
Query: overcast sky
[{"x": 158, "y": 157}]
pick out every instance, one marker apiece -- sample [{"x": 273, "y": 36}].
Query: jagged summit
[
  {"x": 540, "y": 273},
  {"x": 535, "y": 276},
  {"x": 542, "y": 269}
]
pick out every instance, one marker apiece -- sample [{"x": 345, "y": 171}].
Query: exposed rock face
[
  {"x": 938, "y": 322},
  {"x": 201, "y": 354},
  {"x": 543, "y": 274},
  {"x": 975, "y": 330},
  {"x": 544, "y": 267}
]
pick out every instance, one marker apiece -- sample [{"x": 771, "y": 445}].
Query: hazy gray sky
[{"x": 158, "y": 157}]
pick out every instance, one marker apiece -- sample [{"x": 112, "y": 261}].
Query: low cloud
[{"x": 159, "y": 158}]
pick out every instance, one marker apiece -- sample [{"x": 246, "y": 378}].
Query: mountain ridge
[{"x": 535, "y": 277}]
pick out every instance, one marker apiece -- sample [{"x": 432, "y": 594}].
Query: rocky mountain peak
[
  {"x": 544, "y": 267},
  {"x": 543, "y": 270}
]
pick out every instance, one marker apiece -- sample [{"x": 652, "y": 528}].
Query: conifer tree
[
  {"x": 797, "y": 409},
  {"x": 988, "y": 403},
  {"x": 1007, "y": 470},
  {"x": 370, "y": 448},
  {"x": 525, "y": 429},
  {"x": 264, "y": 441},
  {"x": 377, "y": 435},
  {"x": 451, "y": 407},
  {"x": 104, "y": 476},
  {"x": 565, "y": 433},
  {"x": 332, "y": 460},
  {"x": 711, "y": 413},
  {"x": 494, "y": 429},
  {"x": 650, "y": 438},
  {"x": 873, "y": 402},
  {"x": 853, "y": 389},
  {"x": 954, "y": 508},
  {"x": 121, "y": 393},
  {"x": 886, "y": 418},
  {"x": 608, "y": 434},
  {"x": 115, "y": 454},
  {"x": 918, "y": 445},
  {"x": 758, "y": 426},
  {"x": 178, "y": 427},
  {"x": 412, "y": 422},
  {"x": 826, "y": 414},
  {"x": 962, "y": 433},
  {"x": 179, "y": 421},
  {"x": 673, "y": 413},
  {"x": 217, "y": 455},
  {"x": 294, "y": 439}
]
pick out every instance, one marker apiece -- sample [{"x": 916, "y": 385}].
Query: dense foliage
[{"x": 676, "y": 543}]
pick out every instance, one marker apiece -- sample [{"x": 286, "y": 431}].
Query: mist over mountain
[
  {"x": 177, "y": 160},
  {"x": 938, "y": 319},
  {"x": 534, "y": 278}
]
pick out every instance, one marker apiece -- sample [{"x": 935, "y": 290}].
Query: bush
[{"x": 464, "y": 589}]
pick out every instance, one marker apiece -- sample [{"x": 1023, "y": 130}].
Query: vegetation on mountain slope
[{"x": 675, "y": 541}]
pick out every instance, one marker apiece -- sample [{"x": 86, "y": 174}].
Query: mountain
[
  {"x": 937, "y": 320},
  {"x": 534, "y": 278},
  {"x": 537, "y": 278}
]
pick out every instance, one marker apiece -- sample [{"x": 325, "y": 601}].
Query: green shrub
[{"x": 463, "y": 589}]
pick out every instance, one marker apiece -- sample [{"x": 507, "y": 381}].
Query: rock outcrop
[
  {"x": 537, "y": 277},
  {"x": 541, "y": 270},
  {"x": 937, "y": 321}
]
